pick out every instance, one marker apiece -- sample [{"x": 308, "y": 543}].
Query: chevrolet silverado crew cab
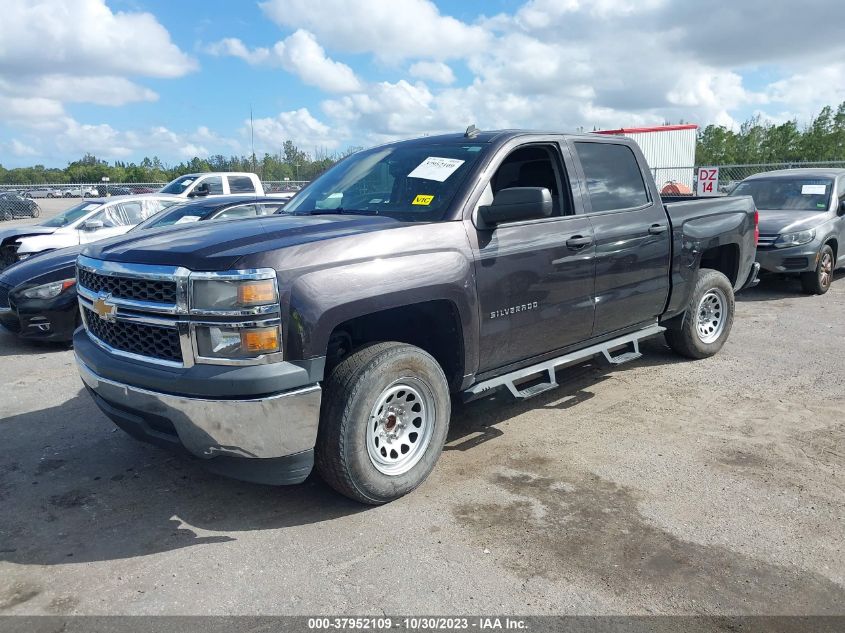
[{"x": 335, "y": 334}]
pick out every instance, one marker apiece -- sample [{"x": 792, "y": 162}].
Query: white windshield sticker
[
  {"x": 91, "y": 207},
  {"x": 436, "y": 168},
  {"x": 187, "y": 218},
  {"x": 813, "y": 190}
]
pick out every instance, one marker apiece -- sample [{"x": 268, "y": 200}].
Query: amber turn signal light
[
  {"x": 264, "y": 339},
  {"x": 257, "y": 292}
]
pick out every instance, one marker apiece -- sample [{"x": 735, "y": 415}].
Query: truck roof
[
  {"x": 490, "y": 136},
  {"x": 805, "y": 172}
]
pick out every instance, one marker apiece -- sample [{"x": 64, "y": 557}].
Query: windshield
[
  {"x": 798, "y": 194},
  {"x": 179, "y": 185},
  {"x": 408, "y": 182},
  {"x": 72, "y": 215}
]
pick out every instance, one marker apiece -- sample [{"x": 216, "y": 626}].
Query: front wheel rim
[
  {"x": 825, "y": 270},
  {"x": 711, "y": 316},
  {"x": 400, "y": 426}
]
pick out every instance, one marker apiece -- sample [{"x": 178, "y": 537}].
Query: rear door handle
[
  {"x": 579, "y": 241},
  {"x": 657, "y": 229}
]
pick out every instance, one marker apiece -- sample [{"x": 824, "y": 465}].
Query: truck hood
[
  {"x": 774, "y": 222},
  {"x": 13, "y": 234},
  {"x": 60, "y": 264},
  {"x": 218, "y": 246}
]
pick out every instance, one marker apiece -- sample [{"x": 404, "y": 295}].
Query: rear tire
[
  {"x": 818, "y": 282},
  {"x": 35, "y": 211},
  {"x": 383, "y": 422},
  {"x": 708, "y": 318}
]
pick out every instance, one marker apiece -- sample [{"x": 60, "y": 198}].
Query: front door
[{"x": 534, "y": 278}]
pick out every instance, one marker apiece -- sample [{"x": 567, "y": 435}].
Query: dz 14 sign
[{"x": 708, "y": 181}]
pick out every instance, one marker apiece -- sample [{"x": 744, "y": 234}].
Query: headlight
[
  {"x": 233, "y": 295},
  {"x": 795, "y": 239},
  {"x": 236, "y": 343},
  {"x": 48, "y": 291}
]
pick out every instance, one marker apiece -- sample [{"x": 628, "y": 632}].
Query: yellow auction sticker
[{"x": 423, "y": 200}]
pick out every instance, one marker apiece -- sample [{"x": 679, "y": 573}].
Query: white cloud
[
  {"x": 437, "y": 72},
  {"x": 392, "y": 31},
  {"x": 299, "y": 54},
  {"x": 21, "y": 149},
  {"x": 84, "y": 37},
  {"x": 297, "y": 125}
]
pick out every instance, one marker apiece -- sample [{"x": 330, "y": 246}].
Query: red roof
[{"x": 659, "y": 128}]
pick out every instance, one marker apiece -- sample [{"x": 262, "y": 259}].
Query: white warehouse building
[{"x": 668, "y": 149}]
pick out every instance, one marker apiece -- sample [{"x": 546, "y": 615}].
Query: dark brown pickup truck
[{"x": 407, "y": 274}]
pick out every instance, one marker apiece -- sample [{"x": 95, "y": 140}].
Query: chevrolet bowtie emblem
[{"x": 104, "y": 309}]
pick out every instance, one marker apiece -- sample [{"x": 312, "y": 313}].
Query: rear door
[
  {"x": 632, "y": 253},
  {"x": 535, "y": 277}
]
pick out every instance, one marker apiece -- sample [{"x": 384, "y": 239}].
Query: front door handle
[
  {"x": 657, "y": 229},
  {"x": 579, "y": 241}
]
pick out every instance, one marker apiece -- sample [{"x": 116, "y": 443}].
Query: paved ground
[{"x": 662, "y": 486}]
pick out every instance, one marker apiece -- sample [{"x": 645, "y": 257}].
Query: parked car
[
  {"x": 802, "y": 223},
  {"x": 334, "y": 333},
  {"x": 83, "y": 223},
  {"x": 80, "y": 191},
  {"x": 14, "y": 206},
  {"x": 43, "y": 192},
  {"x": 219, "y": 184},
  {"x": 38, "y": 296}
]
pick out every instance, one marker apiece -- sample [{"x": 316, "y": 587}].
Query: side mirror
[
  {"x": 517, "y": 203},
  {"x": 841, "y": 209},
  {"x": 92, "y": 225},
  {"x": 200, "y": 190}
]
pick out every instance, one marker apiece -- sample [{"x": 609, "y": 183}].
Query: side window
[
  {"x": 112, "y": 216},
  {"x": 242, "y": 211},
  {"x": 131, "y": 212},
  {"x": 269, "y": 208},
  {"x": 240, "y": 184},
  {"x": 215, "y": 185},
  {"x": 613, "y": 176},
  {"x": 534, "y": 166}
]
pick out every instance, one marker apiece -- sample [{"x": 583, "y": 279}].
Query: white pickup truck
[{"x": 219, "y": 183}]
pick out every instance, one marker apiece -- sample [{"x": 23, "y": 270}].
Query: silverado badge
[{"x": 105, "y": 310}]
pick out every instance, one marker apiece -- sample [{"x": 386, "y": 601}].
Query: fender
[
  {"x": 323, "y": 299},
  {"x": 692, "y": 236}
]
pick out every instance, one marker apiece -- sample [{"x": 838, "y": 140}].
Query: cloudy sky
[{"x": 127, "y": 78}]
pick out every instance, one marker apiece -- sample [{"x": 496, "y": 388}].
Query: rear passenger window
[
  {"x": 241, "y": 184},
  {"x": 613, "y": 176}
]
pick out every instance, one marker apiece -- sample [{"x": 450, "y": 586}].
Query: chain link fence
[
  {"x": 682, "y": 180},
  {"x": 22, "y": 200}
]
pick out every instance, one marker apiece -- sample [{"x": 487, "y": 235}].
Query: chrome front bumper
[{"x": 267, "y": 427}]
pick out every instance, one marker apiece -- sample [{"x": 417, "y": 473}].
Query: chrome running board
[{"x": 550, "y": 366}]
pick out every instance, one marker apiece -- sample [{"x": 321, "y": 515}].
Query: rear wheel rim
[
  {"x": 711, "y": 316},
  {"x": 400, "y": 426},
  {"x": 825, "y": 270}
]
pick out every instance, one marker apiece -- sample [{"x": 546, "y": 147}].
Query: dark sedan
[
  {"x": 38, "y": 295},
  {"x": 13, "y": 205}
]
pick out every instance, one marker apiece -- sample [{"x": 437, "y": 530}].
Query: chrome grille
[
  {"x": 766, "y": 241},
  {"x": 151, "y": 290},
  {"x": 136, "y": 338}
]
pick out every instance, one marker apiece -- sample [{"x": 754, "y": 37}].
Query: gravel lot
[{"x": 662, "y": 486}]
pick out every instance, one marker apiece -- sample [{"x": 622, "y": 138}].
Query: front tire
[
  {"x": 818, "y": 282},
  {"x": 708, "y": 318},
  {"x": 383, "y": 422}
]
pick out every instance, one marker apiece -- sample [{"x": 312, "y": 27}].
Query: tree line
[
  {"x": 291, "y": 163},
  {"x": 757, "y": 141}
]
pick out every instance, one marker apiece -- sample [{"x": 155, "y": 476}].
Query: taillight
[{"x": 756, "y": 227}]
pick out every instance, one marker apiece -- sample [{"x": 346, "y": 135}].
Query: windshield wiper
[{"x": 342, "y": 211}]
